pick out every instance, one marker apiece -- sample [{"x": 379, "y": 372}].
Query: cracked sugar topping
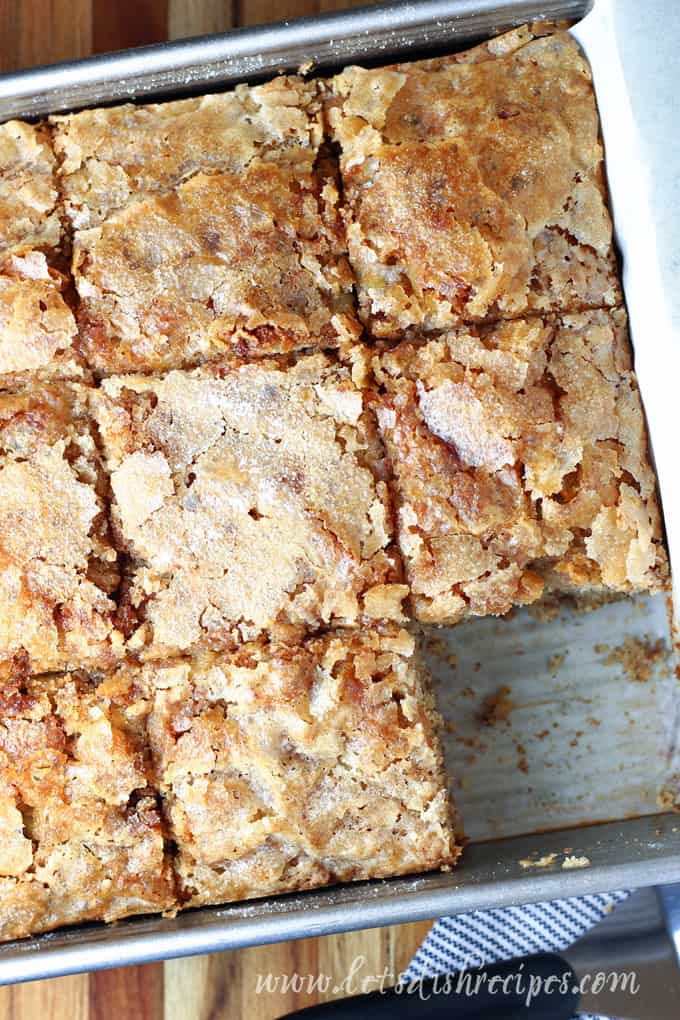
[
  {"x": 205, "y": 227},
  {"x": 28, "y": 193},
  {"x": 248, "y": 498},
  {"x": 57, "y": 567},
  {"x": 37, "y": 327},
  {"x": 284, "y": 768},
  {"x": 112, "y": 157},
  {"x": 242, "y": 263},
  {"x": 237, "y": 516},
  {"x": 80, "y": 830},
  {"x": 520, "y": 462},
  {"x": 474, "y": 186}
]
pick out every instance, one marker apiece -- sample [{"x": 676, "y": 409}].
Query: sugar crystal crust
[
  {"x": 249, "y": 499},
  {"x": 29, "y": 217},
  {"x": 37, "y": 326},
  {"x": 474, "y": 186},
  {"x": 284, "y": 768},
  {"x": 232, "y": 528},
  {"x": 81, "y": 836},
  {"x": 520, "y": 465},
  {"x": 58, "y": 568},
  {"x": 205, "y": 227},
  {"x": 110, "y": 158}
]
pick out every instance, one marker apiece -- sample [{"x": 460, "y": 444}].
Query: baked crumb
[
  {"x": 58, "y": 568},
  {"x": 571, "y": 862},
  {"x": 440, "y": 649},
  {"x": 547, "y": 609},
  {"x": 522, "y": 760},
  {"x": 668, "y": 799},
  {"x": 82, "y": 837},
  {"x": 248, "y": 500},
  {"x": 538, "y": 862},
  {"x": 639, "y": 658},
  {"x": 497, "y": 707},
  {"x": 286, "y": 768}
]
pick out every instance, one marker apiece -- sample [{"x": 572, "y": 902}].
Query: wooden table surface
[{"x": 222, "y": 986}]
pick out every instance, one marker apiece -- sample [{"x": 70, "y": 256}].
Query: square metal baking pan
[{"x": 616, "y": 774}]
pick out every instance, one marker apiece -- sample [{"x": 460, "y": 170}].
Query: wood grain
[
  {"x": 128, "y": 992},
  {"x": 220, "y": 986},
  {"x": 43, "y": 31},
  {"x": 266, "y": 982},
  {"x": 125, "y": 23},
  {"x": 257, "y": 12},
  {"x": 47, "y": 1000},
  {"x": 187, "y": 18}
]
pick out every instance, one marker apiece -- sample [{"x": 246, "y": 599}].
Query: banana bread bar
[
  {"x": 248, "y": 499},
  {"x": 29, "y": 217},
  {"x": 205, "y": 226},
  {"x": 474, "y": 186},
  {"x": 283, "y": 768},
  {"x": 57, "y": 566},
  {"x": 37, "y": 326},
  {"x": 520, "y": 465},
  {"x": 80, "y": 832}
]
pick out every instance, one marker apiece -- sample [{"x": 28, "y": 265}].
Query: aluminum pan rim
[
  {"x": 649, "y": 849},
  {"x": 326, "y": 40}
]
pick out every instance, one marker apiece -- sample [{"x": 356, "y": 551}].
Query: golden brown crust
[
  {"x": 57, "y": 566},
  {"x": 80, "y": 832},
  {"x": 520, "y": 461},
  {"x": 37, "y": 327},
  {"x": 112, "y": 157},
  {"x": 205, "y": 227},
  {"x": 247, "y": 263},
  {"x": 474, "y": 187},
  {"x": 249, "y": 499},
  {"x": 286, "y": 768},
  {"x": 28, "y": 193}
]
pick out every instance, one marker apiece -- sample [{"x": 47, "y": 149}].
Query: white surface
[{"x": 648, "y": 36}]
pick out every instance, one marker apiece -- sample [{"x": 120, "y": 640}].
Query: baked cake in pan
[
  {"x": 282, "y": 371},
  {"x": 282, "y": 768},
  {"x": 205, "y": 227},
  {"x": 271, "y": 769},
  {"x": 248, "y": 499},
  {"x": 37, "y": 326},
  {"x": 518, "y": 455},
  {"x": 474, "y": 186},
  {"x": 81, "y": 836},
  {"x": 29, "y": 213},
  {"x": 58, "y": 569}
]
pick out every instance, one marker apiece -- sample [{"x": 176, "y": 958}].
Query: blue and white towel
[{"x": 488, "y": 936}]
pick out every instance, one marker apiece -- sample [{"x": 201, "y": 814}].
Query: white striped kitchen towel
[{"x": 487, "y": 936}]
